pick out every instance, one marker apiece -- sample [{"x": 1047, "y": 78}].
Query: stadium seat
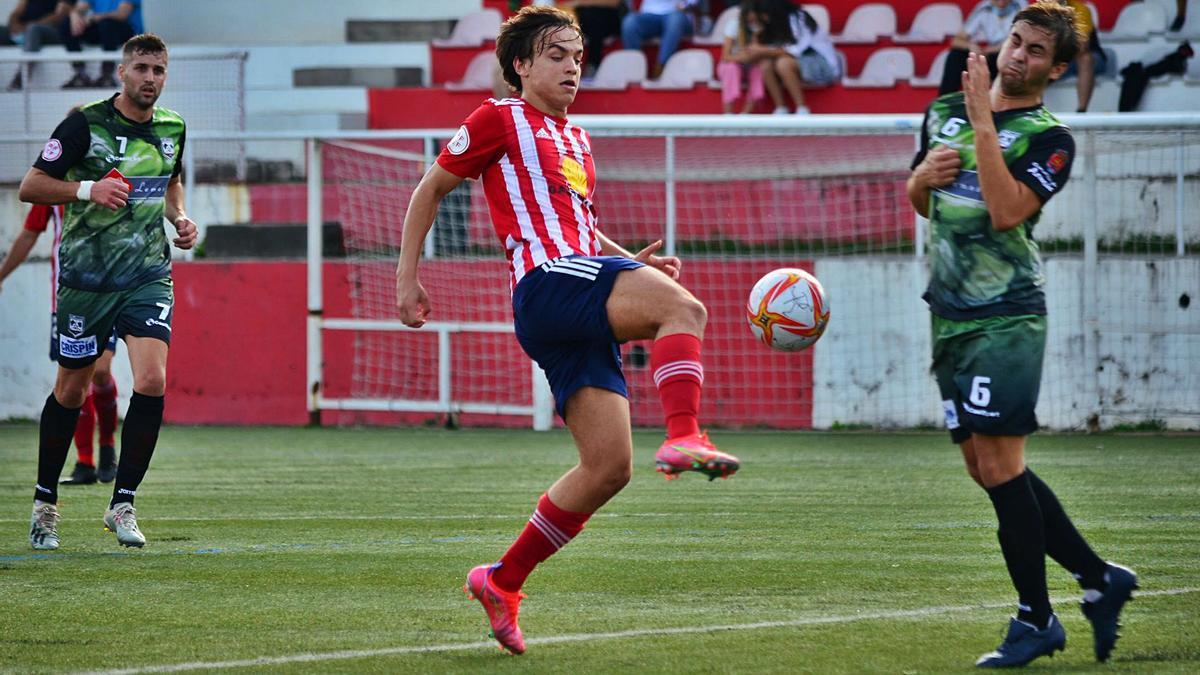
[
  {"x": 478, "y": 75},
  {"x": 820, "y": 14},
  {"x": 1136, "y": 22},
  {"x": 717, "y": 36},
  {"x": 934, "y": 78},
  {"x": 1191, "y": 27},
  {"x": 884, "y": 67},
  {"x": 867, "y": 23},
  {"x": 620, "y": 69},
  {"x": 934, "y": 23},
  {"x": 473, "y": 30},
  {"x": 685, "y": 69},
  {"x": 1193, "y": 70}
]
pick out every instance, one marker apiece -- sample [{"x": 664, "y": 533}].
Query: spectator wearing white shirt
[
  {"x": 983, "y": 32},
  {"x": 796, "y": 53}
]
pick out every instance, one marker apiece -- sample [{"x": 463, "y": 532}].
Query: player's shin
[
  {"x": 57, "y": 426},
  {"x": 548, "y": 529},
  {"x": 85, "y": 429},
  {"x": 106, "y": 410},
  {"x": 139, "y": 436},
  {"x": 679, "y": 376}
]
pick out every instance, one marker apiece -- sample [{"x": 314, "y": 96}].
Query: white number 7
[{"x": 166, "y": 310}]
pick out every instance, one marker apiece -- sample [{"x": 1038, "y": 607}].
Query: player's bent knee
[{"x": 150, "y": 384}]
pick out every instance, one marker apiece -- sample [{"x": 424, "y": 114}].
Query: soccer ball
[{"x": 787, "y": 309}]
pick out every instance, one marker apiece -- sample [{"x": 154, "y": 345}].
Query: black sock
[
  {"x": 139, "y": 435},
  {"x": 1023, "y": 541},
  {"x": 56, "y": 429},
  {"x": 1063, "y": 542}
]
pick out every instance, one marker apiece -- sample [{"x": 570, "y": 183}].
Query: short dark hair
[
  {"x": 524, "y": 35},
  {"x": 146, "y": 43},
  {"x": 1059, "y": 21}
]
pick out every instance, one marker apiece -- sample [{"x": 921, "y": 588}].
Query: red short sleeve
[
  {"x": 478, "y": 144},
  {"x": 38, "y": 218}
]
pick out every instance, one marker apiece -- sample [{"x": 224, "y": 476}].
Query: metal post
[
  {"x": 543, "y": 400},
  {"x": 189, "y": 187},
  {"x": 919, "y": 221},
  {"x": 444, "y": 359},
  {"x": 429, "y": 248},
  {"x": 669, "y": 235},
  {"x": 1090, "y": 276},
  {"x": 1180, "y": 170},
  {"x": 315, "y": 303}
]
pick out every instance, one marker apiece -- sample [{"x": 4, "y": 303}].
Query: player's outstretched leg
[{"x": 679, "y": 376}]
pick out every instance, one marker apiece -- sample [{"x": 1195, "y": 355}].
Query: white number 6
[{"x": 980, "y": 395}]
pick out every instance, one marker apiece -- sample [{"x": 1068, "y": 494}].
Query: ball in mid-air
[{"x": 787, "y": 309}]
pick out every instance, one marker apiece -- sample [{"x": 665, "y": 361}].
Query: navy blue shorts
[
  {"x": 562, "y": 324},
  {"x": 111, "y": 346}
]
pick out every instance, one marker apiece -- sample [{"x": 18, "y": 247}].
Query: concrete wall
[{"x": 870, "y": 367}]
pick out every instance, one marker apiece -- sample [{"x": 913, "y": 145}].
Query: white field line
[
  {"x": 348, "y": 517},
  {"x": 317, "y": 657}
]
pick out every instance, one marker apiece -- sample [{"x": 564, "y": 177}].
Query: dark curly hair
[
  {"x": 524, "y": 35},
  {"x": 146, "y": 43}
]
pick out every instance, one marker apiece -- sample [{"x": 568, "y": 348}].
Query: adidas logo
[{"x": 541, "y": 133}]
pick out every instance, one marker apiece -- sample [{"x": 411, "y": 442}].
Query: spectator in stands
[
  {"x": 987, "y": 24},
  {"x": 108, "y": 23},
  {"x": 599, "y": 20},
  {"x": 669, "y": 20},
  {"x": 1091, "y": 58},
  {"x": 795, "y": 52},
  {"x": 737, "y": 60},
  {"x": 32, "y": 24}
]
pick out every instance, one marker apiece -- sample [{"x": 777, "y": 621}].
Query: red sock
[
  {"x": 549, "y": 529},
  {"x": 84, "y": 429},
  {"x": 106, "y": 411},
  {"x": 678, "y": 374}
]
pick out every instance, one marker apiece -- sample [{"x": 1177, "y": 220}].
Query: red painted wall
[{"x": 238, "y": 349}]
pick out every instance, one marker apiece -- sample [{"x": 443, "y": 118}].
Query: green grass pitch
[{"x": 327, "y": 550}]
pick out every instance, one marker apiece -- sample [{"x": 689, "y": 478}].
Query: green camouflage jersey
[
  {"x": 977, "y": 271},
  {"x": 103, "y": 250}
]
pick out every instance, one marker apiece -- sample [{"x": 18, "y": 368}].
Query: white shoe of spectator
[
  {"x": 781, "y": 110},
  {"x": 802, "y": 110}
]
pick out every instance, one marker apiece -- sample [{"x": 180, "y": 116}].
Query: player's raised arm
[{"x": 411, "y": 299}]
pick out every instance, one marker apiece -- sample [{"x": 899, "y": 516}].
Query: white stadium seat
[
  {"x": 473, "y": 30},
  {"x": 934, "y": 23},
  {"x": 620, "y": 69},
  {"x": 934, "y": 78},
  {"x": 884, "y": 67},
  {"x": 867, "y": 23},
  {"x": 685, "y": 69},
  {"x": 717, "y": 35},
  {"x": 479, "y": 73},
  {"x": 819, "y": 14},
  {"x": 1136, "y": 22}
]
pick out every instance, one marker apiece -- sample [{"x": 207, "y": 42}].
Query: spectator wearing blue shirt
[
  {"x": 32, "y": 24},
  {"x": 670, "y": 20},
  {"x": 108, "y": 23}
]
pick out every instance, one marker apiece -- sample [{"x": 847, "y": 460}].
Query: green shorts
[
  {"x": 989, "y": 372},
  {"x": 87, "y": 318}
]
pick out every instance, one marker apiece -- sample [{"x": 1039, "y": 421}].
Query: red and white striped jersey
[
  {"x": 39, "y": 218},
  {"x": 538, "y": 177}
]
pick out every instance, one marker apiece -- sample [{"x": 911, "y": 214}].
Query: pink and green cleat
[
  {"x": 694, "y": 453},
  {"x": 501, "y": 606}
]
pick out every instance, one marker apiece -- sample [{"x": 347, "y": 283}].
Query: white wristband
[{"x": 84, "y": 193}]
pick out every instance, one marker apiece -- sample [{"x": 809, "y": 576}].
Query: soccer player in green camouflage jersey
[
  {"x": 991, "y": 156},
  {"x": 115, "y": 164}
]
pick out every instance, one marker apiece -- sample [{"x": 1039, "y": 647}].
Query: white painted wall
[
  {"x": 871, "y": 367},
  {"x": 26, "y": 371}
]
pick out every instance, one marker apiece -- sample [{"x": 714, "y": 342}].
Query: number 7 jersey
[{"x": 104, "y": 250}]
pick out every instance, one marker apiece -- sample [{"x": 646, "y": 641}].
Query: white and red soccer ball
[{"x": 787, "y": 309}]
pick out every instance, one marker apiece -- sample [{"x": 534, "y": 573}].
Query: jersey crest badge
[
  {"x": 52, "y": 151},
  {"x": 75, "y": 324},
  {"x": 461, "y": 141},
  {"x": 1057, "y": 161},
  {"x": 168, "y": 147}
]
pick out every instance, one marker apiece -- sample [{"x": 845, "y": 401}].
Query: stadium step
[
  {"x": 270, "y": 241},
  {"x": 357, "y": 76},
  {"x": 397, "y": 31}
]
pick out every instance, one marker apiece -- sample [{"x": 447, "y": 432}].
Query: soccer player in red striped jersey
[
  {"x": 576, "y": 295},
  {"x": 101, "y": 402}
]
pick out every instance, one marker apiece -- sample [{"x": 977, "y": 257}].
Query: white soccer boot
[
  {"x": 122, "y": 519},
  {"x": 43, "y": 526}
]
